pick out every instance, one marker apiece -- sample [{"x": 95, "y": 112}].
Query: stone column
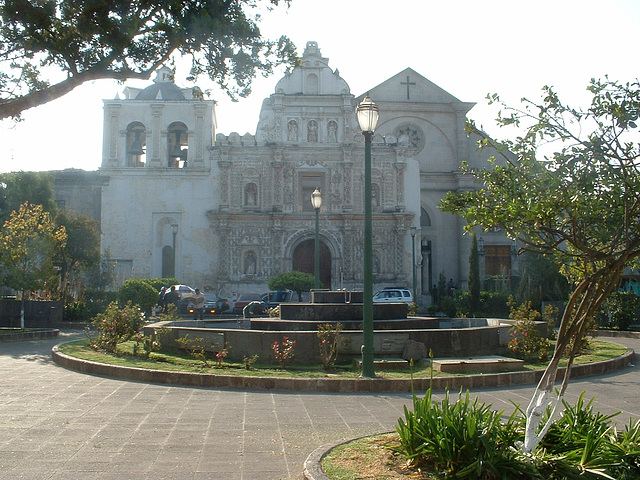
[
  {"x": 154, "y": 154},
  {"x": 277, "y": 181},
  {"x": 225, "y": 166},
  {"x": 400, "y": 167},
  {"x": 111, "y": 144},
  {"x": 197, "y": 156}
]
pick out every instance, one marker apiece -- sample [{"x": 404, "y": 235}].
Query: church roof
[
  {"x": 313, "y": 76},
  {"x": 163, "y": 88},
  {"x": 408, "y": 86},
  {"x": 161, "y": 91}
]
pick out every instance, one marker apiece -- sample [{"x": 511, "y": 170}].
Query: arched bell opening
[
  {"x": 177, "y": 145},
  {"x": 136, "y": 143}
]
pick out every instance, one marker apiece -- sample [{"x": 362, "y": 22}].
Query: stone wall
[{"x": 37, "y": 314}]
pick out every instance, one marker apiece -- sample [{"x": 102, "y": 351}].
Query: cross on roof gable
[{"x": 408, "y": 86}]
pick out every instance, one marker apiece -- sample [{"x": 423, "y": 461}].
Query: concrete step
[{"x": 483, "y": 364}]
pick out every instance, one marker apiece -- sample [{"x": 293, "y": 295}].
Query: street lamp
[
  {"x": 413, "y": 258},
  {"x": 316, "y": 202},
  {"x": 367, "y": 115},
  {"x": 174, "y": 230}
]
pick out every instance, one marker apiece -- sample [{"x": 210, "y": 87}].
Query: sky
[{"x": 469, "y": 48}]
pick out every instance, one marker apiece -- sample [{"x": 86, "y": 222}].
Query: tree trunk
[{"x": 583, "y": 304}]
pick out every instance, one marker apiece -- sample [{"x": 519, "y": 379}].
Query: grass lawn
[
  {"x": 184, "y": 363},
  {"x": 370, "y": 455}
]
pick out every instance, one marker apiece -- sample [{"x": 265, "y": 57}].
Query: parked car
[
  {"x": 273, "y": 299},
  {"x": 185, "y": 292},
  {"x": 393, "y": 295},
  {"x": 244, "y": 300},
  {"x": 210, "y": 305}
]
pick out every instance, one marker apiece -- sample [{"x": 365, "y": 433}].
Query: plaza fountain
[{"x": 394, "y": 330}]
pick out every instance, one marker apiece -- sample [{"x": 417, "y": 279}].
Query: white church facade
[{"x": 229, "y": 212}]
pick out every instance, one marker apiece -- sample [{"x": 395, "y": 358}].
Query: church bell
[
  {"x": 136, "y": 146},
  {"x": 177, "y": 148}
]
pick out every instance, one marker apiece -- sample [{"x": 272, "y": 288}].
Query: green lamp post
[
  {"x": 367, "y": 115},
  {"x": 413, "y": 259},
  {"x": 174, "y": 231},
  {"x": 316, "y": 202}
]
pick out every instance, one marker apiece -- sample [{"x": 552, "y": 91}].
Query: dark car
[
  {"x": 273, "y": 299},
  {"x": 244, "y": 300}
]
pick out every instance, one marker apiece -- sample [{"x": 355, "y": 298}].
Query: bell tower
[{"x": 161, "y": 126}]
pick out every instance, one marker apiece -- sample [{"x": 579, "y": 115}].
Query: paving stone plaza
[{"x": 57, "y": 424}]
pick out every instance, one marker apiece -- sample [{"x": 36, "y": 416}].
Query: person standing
[
  {"x": 198, "y": 305},
  {"x": 171, "y": 297},
  {"x": 162, "y": 302}
]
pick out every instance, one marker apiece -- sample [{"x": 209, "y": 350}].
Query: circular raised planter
[{"x": 333, "y": 385}]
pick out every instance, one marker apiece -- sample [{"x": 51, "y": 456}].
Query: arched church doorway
[
  {"x": 304, "y": 260},
  {"x": 168, "y": 262}
]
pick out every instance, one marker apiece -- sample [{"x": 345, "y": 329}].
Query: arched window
[
  {"x": 168, "y": 262},
  {"x": 136, "y": 143},
  {"x": 312, "y": 84},
  {"x": 177, "y": 145},
  {"x": 251, "y": 195},
  {"x": 425, "y": 219}
]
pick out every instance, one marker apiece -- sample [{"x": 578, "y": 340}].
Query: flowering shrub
[
  {"x": 526, "y": 342},
  {"x": 249, "y": 361},
  {"x": 150, "y": 343},
  {"x": 328, "y": 337},
  {"x": 194, "y": 347},
  {"x": 221, "y": 355},
  {"x": 283, "y": 351},
  {"x": 116, "y": 325}
]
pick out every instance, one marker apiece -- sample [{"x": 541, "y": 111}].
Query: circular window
[{"x": 411, "y": 137}]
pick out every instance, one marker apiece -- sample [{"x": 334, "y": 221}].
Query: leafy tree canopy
[
  {"x": 49, "y": 47},
  {"x": 297, "y": 281},
  {"x": 138, "y": 292},
  {"x": 81, "y": 251},
  {"x": 19, "y": 187},
  {"x": 28, "y": 241},
  {"x": 578, "y": 205}
]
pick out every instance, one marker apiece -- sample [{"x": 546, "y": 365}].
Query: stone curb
[
  {"x": 328, "y": 385},
  {"x": 36, "y": 335}
]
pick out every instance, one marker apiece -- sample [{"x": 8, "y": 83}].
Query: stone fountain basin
[{"x": 463, "y": 338}]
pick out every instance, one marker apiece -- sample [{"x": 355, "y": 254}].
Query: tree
[
  {"x": 139, "y": 292},
  {"x": 85, "y": 40},
  {"x": 19, "y": 187},
  {"x": 103, "y": 275},
  {"x": 540, "y": 280},
  {"x": 27, "y": 245},
  {"x": 82, "y": 248},
  {"x": 474, "y": 276},
  {"x": 579, "y": 206},
  {"x": 297, "y": 281}
]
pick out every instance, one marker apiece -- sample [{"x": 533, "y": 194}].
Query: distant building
[{"x": 228, "y": 212}]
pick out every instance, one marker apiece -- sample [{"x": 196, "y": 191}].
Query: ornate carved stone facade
[{"x": 228, "y": 212}]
